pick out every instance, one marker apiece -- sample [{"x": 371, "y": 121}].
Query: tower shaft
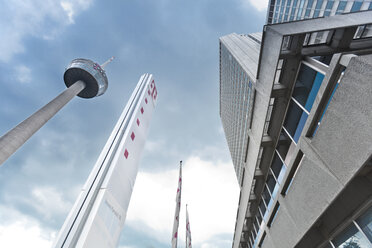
[
  {"x": 16, "y": 137},
  {"x": 99, "y": 213}
]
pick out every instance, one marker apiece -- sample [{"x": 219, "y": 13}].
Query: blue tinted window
[
  {"x": 365, "y": 223},
  {"x": 370, "y": 6},
  {"x": 307, "y": 86},
  {"x": 329, "y": 5},
  {"x": 299, "y": 13},
  {"x": 318, "y": 4},
  {"x": 310, "y": 4},
  {"x": 316, "y": 13},
  {"x": 356, "y": 6},
  {"x": 351, "y": 237},
  {"x": 341, "y": 7}
]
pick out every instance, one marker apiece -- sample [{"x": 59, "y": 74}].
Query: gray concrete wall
[{"x": 333, "y": 157}]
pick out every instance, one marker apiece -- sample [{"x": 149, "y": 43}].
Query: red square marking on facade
[
  {"x": 132, "y": 136},
  {"x": 142, "y": 110},
  {"x": 126, "y": 153},
  {"x": 138, "y": 122},
  {"x": 146, "y": 100}
]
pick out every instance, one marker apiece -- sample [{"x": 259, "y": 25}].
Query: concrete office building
[
  {"x": 306, "y": 171},
  {"x": 238, "y": 63},
  {"x": 291, "y": 10}
]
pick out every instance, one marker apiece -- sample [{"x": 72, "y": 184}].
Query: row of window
[
  {"x": 306, "y": 88},
  {"x": 235, "y": 100},
  {"x": 292, "y": 10}
]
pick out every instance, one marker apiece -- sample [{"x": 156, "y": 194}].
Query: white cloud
[
  {"x": 209, "y": 189},
  {"x": 260, "y": 5},
  {"x": 38, "y": 18},
  {"x": 18, "y": 231},
  {"x": 23, "y": 74},
  {"x": 49, "y": 202}
]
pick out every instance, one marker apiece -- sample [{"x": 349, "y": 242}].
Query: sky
[{"x": 176, "y": 41}]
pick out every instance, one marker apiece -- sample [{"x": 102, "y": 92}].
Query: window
[
  {"x": 356, "y": 6},
  {"x": 293, "y": 10},
  {"x": 299, "y": 13},
  {"x": 262, "y": 239},
  {"x": 351, "y": 237},
  {"x": 328, "y": 8},
  {"x": 341, "y": 7},
  {"x": 292, "y": 173},
  {"x": 326, "y": 107},
  {"x": 306, "y": 88},
  {"x": 308, "y": 9},
  {"x": 273, "y": 215},
  {"x": 365, "y": 223}
]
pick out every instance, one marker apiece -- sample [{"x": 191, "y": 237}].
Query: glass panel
[
  {"x": 356, "y": 6},
  {"x": 351, "y": 237},
  {"x": 283, "y": 144},
  {"x": 266, "y": 196},
  {"x": 367, "y": 31},
  {"x": 262, "y": 207},
  {"x": 256, "y": 224},
  {"x": 271, "y": 183},
  {"x": 276, "y": 166},
  {"x": 316, "y": 13},
  {"x": 307, "y": 86},
  {"x": 329, "y": 6},
  {"x": 318, "y": 4},
  {"x": 299, "y": 13},
  {"x": 341, "y": 7},
  {"x": 365, "y": 223},
  {"x": 295, "y": 121},
  {"x": 370, "y": 6}
]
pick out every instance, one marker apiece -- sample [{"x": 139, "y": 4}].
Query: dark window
[
  {"x": 262, "y": 207},
  {"x": 273, "y": 215},
  {"x": 262, "y": 239},
  {"x": 295, "y": 121},
  {"x": 307, "y": 86},
  {"x": 283, "y": 144},
  {"x": 350, "y": 237},
  {"x": 292, "y": 173},
  {"x": 365, "y": 223},
  {"x": 266, "y": 196},
  {"x": 271, "y": 183},
  {"x": 276, "y": 166}
]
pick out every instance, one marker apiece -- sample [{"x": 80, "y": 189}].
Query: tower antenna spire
[{"x": 107, "y": 62}]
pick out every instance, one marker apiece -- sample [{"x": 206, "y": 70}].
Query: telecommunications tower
[
  {"x": 82, "y": 77},
  {"x": 98, "y": 214}
]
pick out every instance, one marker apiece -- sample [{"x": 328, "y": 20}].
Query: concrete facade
[
  {"x": 308, "y": 171},
  {"x": 238, "y": 66}
]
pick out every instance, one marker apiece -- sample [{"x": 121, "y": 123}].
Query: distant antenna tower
[{"x": 82, "y": 77}]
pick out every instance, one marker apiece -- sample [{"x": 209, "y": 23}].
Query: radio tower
[{"x": 82, "y": 77}]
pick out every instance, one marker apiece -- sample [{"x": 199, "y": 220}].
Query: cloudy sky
[{"x": 175, "y": 40}]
